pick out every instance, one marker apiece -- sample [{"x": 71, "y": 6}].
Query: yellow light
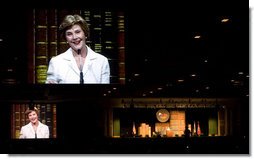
[
  {"x": 197, "y": 36},
  {"x": 224, "y": 20},
  {"x": 180, "y": 80}
]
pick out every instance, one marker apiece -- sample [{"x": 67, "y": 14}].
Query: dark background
[{"x": 160, "y": 50}]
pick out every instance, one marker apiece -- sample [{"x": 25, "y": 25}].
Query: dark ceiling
[{"x": 164, "y": 58}]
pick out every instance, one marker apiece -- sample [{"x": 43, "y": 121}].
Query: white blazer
[
  {"x": 27, "y": 131},
  {"x": 63, "y": 68}
]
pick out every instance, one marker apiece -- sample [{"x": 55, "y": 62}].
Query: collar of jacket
[{"x": 90, "y": 54}]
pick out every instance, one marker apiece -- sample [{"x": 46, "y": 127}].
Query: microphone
[
  {"x": 81, "y": 80},
  {"x": 81, "y": 73}
]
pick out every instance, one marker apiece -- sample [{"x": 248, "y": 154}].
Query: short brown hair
[
  {"x": 28, "y": 111},
  {"x": 70, "y": 20}
]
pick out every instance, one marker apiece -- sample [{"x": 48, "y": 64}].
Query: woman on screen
[
  {"x": 34, "y": 129},
  {"x": 79, "y": 64}
]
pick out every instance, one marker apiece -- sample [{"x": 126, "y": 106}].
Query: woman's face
[
  {"x": 33, "y": 117},
  {"x": 75, "y": 37}
]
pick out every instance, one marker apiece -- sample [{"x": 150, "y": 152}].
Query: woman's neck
[
  {"x": 35, "y": 124},
  {"x": 82, "y": 52}
]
